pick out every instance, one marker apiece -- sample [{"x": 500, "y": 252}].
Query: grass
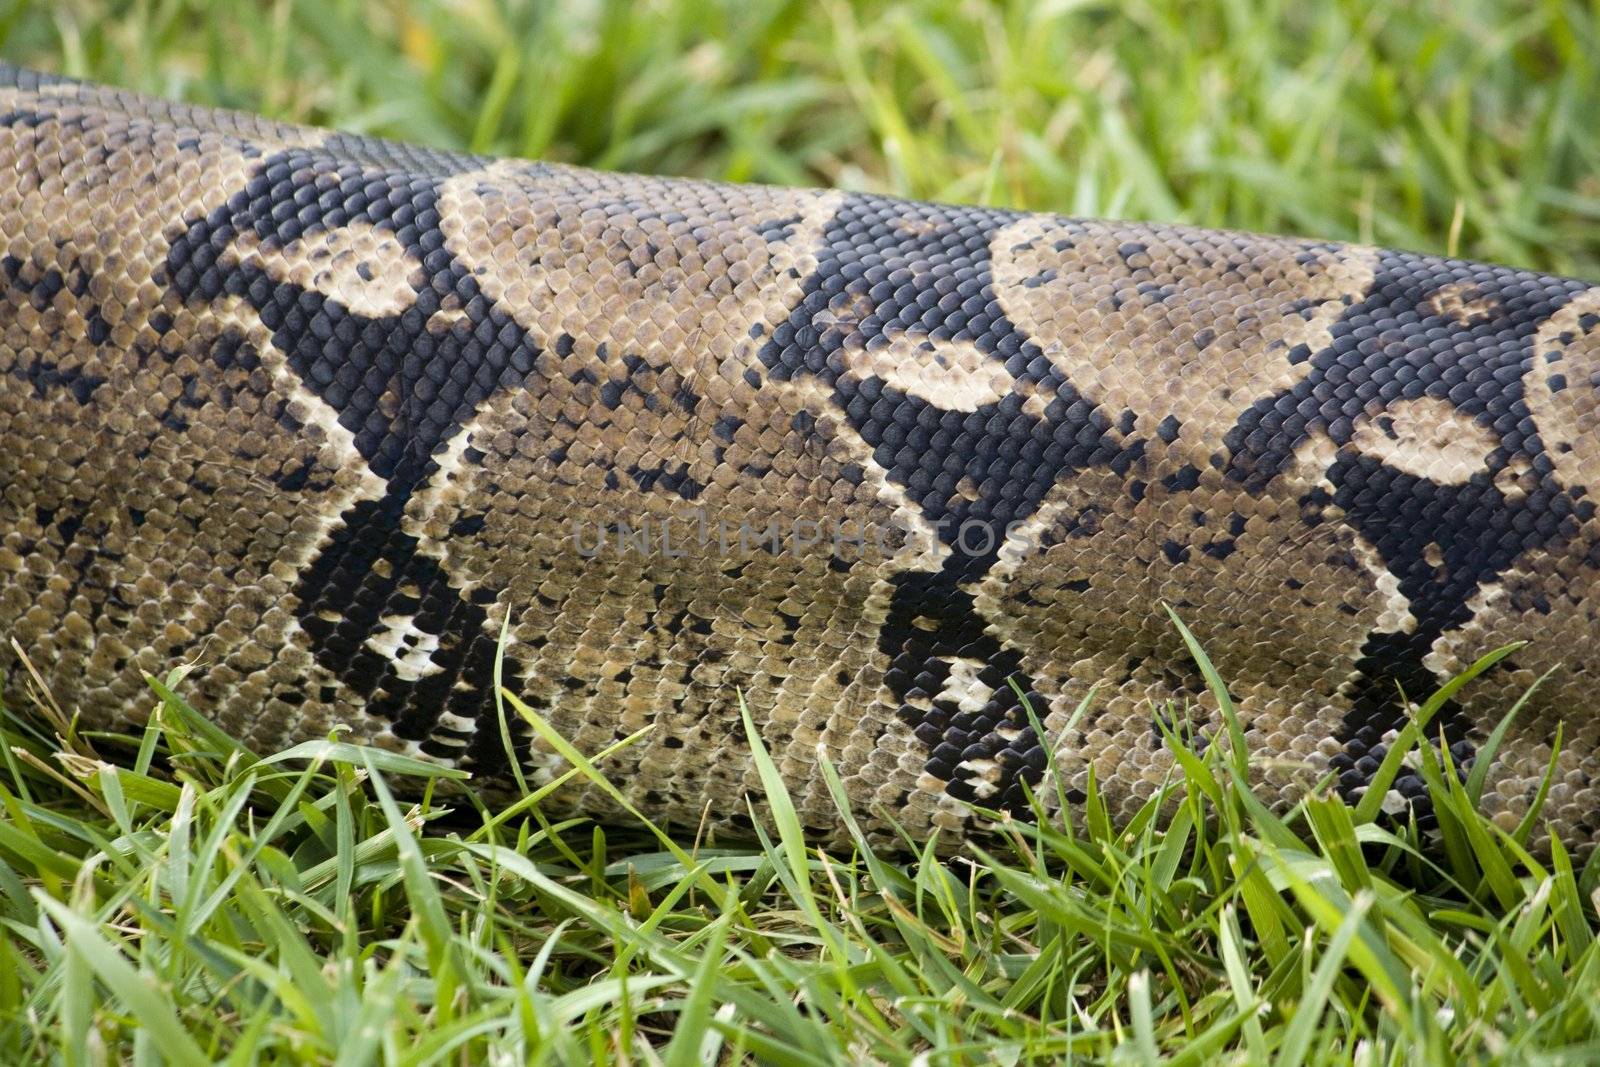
[
  {"x": 189, "y": 902},
  {"x": 172, "y": 898}
]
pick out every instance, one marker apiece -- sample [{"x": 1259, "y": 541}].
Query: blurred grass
[{"x": 1461, "y": 126}]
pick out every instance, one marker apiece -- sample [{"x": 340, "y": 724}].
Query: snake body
[{"x": 320, "y": 414}]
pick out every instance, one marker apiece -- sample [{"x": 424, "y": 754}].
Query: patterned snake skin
[{"x": 318, "y": 412}]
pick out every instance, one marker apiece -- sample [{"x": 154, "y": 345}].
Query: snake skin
[{"x": 317, "y": 412}]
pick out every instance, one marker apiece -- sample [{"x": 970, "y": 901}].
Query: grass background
[
  {"x": 198, "y": 903},
  {"x": 1441, "y": 125}
]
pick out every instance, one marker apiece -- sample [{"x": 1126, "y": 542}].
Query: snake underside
[{"x": 320, "y": 413}]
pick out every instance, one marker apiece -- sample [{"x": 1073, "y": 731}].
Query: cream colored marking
[
  {"x": 364, "y": 268},
  {"x": 1463, "y": 302},
  {"x": 446, "y": 317},
  {"x": 451, "y": 721},
  {"x": 1568, "y": 419},
  {"x": 1395, "y": 615},
  {"x": 953, "y": 375},
  {"x": 1428, "y": 438},
  {"x": 984, "y": 776},
  {"x": 1516, "y": 479},
  {"x": 1488, "y": 602},
  {"x": 446, "y": 487},
  {"x": 963, "y": 685},
  {"x": 409, "y": 649},
  {"x": 1023, "y": 539}
]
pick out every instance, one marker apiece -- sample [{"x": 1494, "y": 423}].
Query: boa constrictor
[{"x": 321, "y": 413}]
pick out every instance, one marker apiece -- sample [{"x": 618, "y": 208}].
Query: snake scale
[{"x": 320, "y": 413}]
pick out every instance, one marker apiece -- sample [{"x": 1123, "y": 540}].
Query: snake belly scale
[{"x": 320, "y": 413}]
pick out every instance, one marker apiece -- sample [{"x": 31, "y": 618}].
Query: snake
[{"x": 367, "y": 435}]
